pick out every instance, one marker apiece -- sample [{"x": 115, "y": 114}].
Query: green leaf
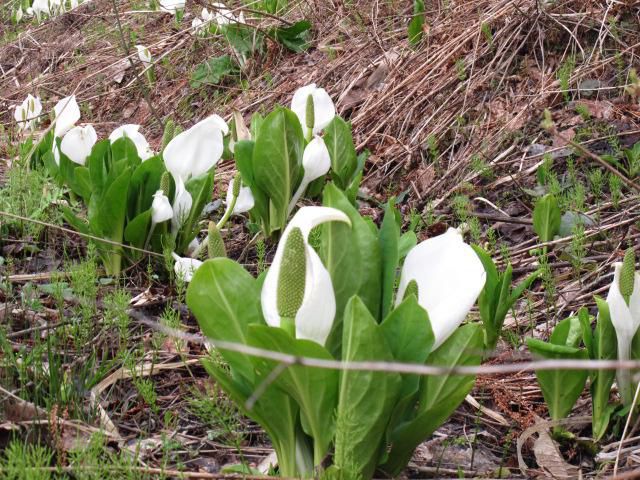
[
  {"x": 295, "y": 37},
  {"x": 352, "y": 257},
  {"x": 200, "y": 189},
  {"x": 407, "y": 241},
  {"x": 438, "y": 398},
  {"x": 214, "y": 71},
  {"x": 274, "y": 410},
  {"x": 137, "y": 230},
  {"x": 315, "y": 390},
  {"x": 560, "y": 388},
  {"x": 244, "y": 163},
  {"x": 605, "y": 347},
  {"x": 408, "y": 332},
  {"x": 111, "y": 213},
  {"x": 339, "y": 142},
  {"x": 546, "y": 218},
  {"x": 389, "y": 239},
  {"x": 145, "y": 181},
  {"x": 124, "y": 153},
  {"x": 277, "y": 162},
  {"x": 76, "y": 223},
  {"x": 98, "y": 163},
  {"x": 568, "y": 333},
  {"x": 366, "y": 398},
  {"x": 243, "y": 38},
  {"x": 225, "y": 300},
  {"x": 417, "y": 22}
]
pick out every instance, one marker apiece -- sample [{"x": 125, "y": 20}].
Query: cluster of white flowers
[
  {"x": 49, "y": 8},
  {"x": 221, "y": 15}
]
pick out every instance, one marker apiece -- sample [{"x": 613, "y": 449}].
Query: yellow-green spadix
[{"x": 313, "y": 303}]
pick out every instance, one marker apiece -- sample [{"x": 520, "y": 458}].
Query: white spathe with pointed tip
[
  {"x": 196, "y": 150},
  {"x": 185, "y": 268},
  {"x": 323, "y": 108},
  {"x": 626, "y": 321},
  {"x": 132, "y": 132},
  {"x": 78, "y": 142},
  {"x": 449, "y": 275},
  {"x": 161, "y": 209},
  {"x": 316, "y": 162},
  {"x": 244, "y": 202},
  {"x": 27, "y": 113},
  {"x": 315, "y": 317},
  {"x": 67, "y": 114},
  {"x": 144, "y": 54},
  {"x": 182, "y": 202}
]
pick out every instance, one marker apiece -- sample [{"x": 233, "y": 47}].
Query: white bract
[
  {"x": 78, "y": 142},
  {"x": 182, "y": 202},
  {"x": 19, "y": 14},
  {"x": 161, "y": 210},
  {"x": 449, "y": 275},
  {"x": 323, "y": 108},
  {"x": 144, "y": 54},
  {"x": 185, "y": 267},
  {"x": 38, "y": 7},
  {"x": 131, "y": 132},
  {"x": 196, "y": 150},
  {"x": 198, "y": 26},
  {"x": 27, "y": 113},
  {"x": 172, "y": 6},
  {"x": 67, "y": 113},
  {"x": 626, "y": 320},
  {"x": 314, "y": 318},
  {"x": 316, "y": 162},
  {"x": 244, "y": 202}
]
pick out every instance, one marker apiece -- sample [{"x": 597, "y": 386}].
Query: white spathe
[
  {"x": 144, "y": 54},
  {"x": 315, "y": 317},
  {"x": 132, "y": 132},
  {"x": 67, "y": 113},
  {"x": 38, "y": 7},
  {"x": 182, "y": 202},
  {"x": 323, "y": 107},
  {"x": 161, "y": 210},
  {"x": 172, "y": 6},
  {"x": 626, "y": 320},
  {"x": 78, "y": 142},
  {"x": 196, "y": 150},
  {"x": 316, "y": 162},
  {"x": 27, "y": 113},
  {"x": 450, "y": 276},
  {"x": 198, "y": 26},
  {"x": 185, "y": 267},
  {"x": 244, "y": 202}
]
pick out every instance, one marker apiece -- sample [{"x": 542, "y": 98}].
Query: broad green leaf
[
  {"x": 406, "y": 242},
  {"x": 352, "y": 257},
  {"x": 137, "y": 230},
  {"x": 560, "y": 388},
  {"x": 274, "y": 411},
  {"x": 439, "y": 396},
  {"x": 243, "y": 38},
  {"x": 366, "y": 398},
  {"x": 244, "y": 163},
  {"x": 389, "y": 239},
  {"x": 295, "y": 37},
  {"x": 314, "y": 389},
  {"x": 568, "y": 333},
  {"x": 605, "y": 347},
  {"x": 124, "y": 154},
  {"x": 214, "y": 71},
  {"x": 98, "y": 163},
  {"x": 409, "y": 335},
  {"x": 111, "y": 213},
  {"x": 546, "y": 218},
  {"x": 225, "y": 300},
  {"x": 277, "y": 162},
  {"x": 83, "y": 182},
  {"x": 200, "y": 189},
  {"x": 339, "y": 142},
  {"x": 145, "y": 181},
  {"x": 75, "y": 222}
]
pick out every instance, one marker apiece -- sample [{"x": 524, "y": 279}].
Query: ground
[{"x": 453, "y": 128}]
